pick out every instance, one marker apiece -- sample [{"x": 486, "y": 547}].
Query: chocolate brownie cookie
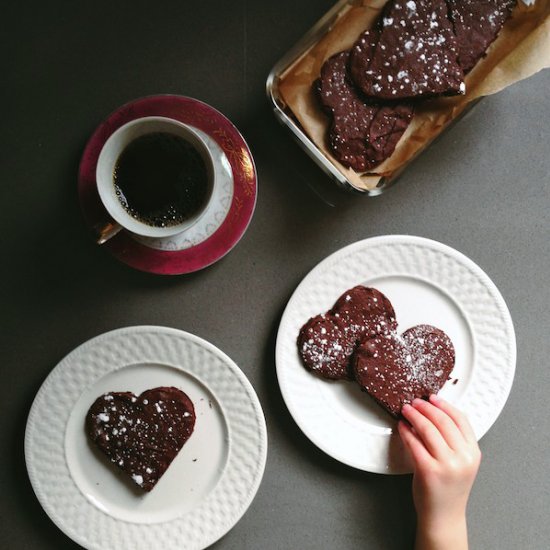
[
  {"x": 412, "y": 54},
  {"x": 476, "y": 24},
  {"x": 325, "y": 347},
  {"x": 365, "y": 312},
  {"x": 141, "y": 434},
  {"x": 395, "y": 369},
  {"x": 361, "y": 136}
]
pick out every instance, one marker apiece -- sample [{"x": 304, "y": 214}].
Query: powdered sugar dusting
[
  {"x": 395, "y": 369},
  {"x": 325, "y": 347},
  {"x": 327, "y": 341},
  {"x": 138, "y": 479},
  {"x": 409, "y": 29},
  {"x": 140, "y": 438}
]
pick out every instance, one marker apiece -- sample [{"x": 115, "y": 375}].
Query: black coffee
[{"x": 161, "y": 179}]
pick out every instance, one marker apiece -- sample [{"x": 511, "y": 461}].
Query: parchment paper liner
[{"x": 521, "y": 49}]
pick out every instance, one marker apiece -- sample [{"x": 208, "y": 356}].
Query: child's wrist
[
  {"x": 444, "y": 517},
  {"x": 442, "y": 531}
]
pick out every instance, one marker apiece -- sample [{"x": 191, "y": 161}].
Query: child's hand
[{"x": 446, "y": 458}]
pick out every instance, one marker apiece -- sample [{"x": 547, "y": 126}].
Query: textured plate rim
[
  {"x": 322, "y": 267},
  {"x": 231, "y": 470}
]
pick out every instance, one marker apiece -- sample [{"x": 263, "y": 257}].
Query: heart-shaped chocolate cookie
[
  {"x": 361, "y": 136},
  {"x": 327, "y": 341},
  {"x": 142, "y": 434},
  {"x": 365, "y": 312},
  {"x": 415, "y": 54},
  {"x": 396, "y": 369},
  {"x": 326, "y": 347},
  {"x": 476, "y": 24}
]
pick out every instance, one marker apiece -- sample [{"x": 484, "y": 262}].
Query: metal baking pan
[{"x": 284, "y": 114}]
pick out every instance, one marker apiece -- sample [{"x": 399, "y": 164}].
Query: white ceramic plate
[
  {"x": 208, "y": 486},
  {"x": 427, "y": 282}
]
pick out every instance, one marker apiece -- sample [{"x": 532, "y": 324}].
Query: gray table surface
[{"x": 483, "y": 189}]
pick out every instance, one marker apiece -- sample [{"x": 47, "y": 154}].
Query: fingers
[
  {"x": 426, "y": 431},
  {"x": 412, "y": 442},
  {"x": 441, "y": 427},
  {"x": 442, "y": 455},
  {"x": 457, "y": 416},
  {"x": 446, "y": 426}
]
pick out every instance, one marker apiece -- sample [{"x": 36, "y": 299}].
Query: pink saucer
[{"x": 207, "y": 119}]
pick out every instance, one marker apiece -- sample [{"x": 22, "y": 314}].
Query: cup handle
[{"x": 106, "y": 230}]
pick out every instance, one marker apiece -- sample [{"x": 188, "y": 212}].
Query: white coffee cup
[{"x": 109, "y": 156}]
